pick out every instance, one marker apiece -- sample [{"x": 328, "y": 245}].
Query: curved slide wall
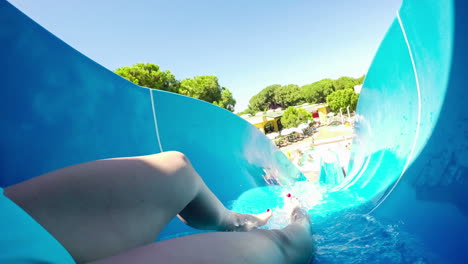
[
  {"x": 410, "y": 157},
  {"x": 411, "y": 153},
  {"x": 59, "y": 108}
]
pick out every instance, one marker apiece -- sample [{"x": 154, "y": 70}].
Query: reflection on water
[{"x": 357, "y": 238}]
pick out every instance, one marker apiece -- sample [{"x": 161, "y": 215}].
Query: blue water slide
[
  {"x": 411, "y": 153},
  {"x": 410, "y": 157}
]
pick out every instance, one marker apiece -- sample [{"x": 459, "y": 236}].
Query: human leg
[
  {"x": 100, "y": 208},
  {"x": 18, "y": 230},
  {"x": 292, "y": 244}
]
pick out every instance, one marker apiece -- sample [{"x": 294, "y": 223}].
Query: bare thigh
[
  {"x": 287, "y": 246},
  {"x": 100, "y": 208}
]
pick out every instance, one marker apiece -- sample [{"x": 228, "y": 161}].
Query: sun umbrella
[
  {"x": 272, "y": 135},
  {"x": 286, "y": 131},
  {"x": 297, "y": 130},
  {"x": 303, "y": 126}
]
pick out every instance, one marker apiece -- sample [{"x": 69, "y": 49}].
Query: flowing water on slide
[{"x": 340, "y": 235}]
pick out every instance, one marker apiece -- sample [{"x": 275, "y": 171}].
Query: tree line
[
  {"x": 337, "y": 94},
  {"x": 205, "y": 87}
]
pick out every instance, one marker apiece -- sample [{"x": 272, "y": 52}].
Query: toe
[{"x": 264, "y": 217}]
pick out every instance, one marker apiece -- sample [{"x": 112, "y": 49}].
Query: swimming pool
[{"x": 313, "y": 158}]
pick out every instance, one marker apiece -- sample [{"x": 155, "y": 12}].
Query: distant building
[
  {"x": 271, "y": 120},
  {"x": 322, "y": 112},
  {"x": 266, "y": 122}
]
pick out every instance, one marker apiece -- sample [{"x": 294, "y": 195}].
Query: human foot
[
  {"x": 246, "y": 222},
  {"x": 289, "y": 203},
  {"x": 297, "y": 212}
]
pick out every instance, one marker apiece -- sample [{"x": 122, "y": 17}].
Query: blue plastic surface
[
  {"x": 410, "y": 157},
  {"x": 17, "y": 231}
]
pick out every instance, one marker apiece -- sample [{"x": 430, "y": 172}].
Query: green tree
[
  {"x": 360, "y": 80},
  {"x": 345, "y": 83},
  {"x": 288, "y": 95},
  {"x": 276, "y": 96},
  {"x": 317, "y": 92},
  {"x": 264, "y": 99},
  {"x": 342, "y": 99},
  {"x": 293, "y": 116},
  {"x": 227, "y": 100},
  {"x": 248, "y": 111},
  {"x": 149, "y": 75},
  {"x": 207, "y": 88}
]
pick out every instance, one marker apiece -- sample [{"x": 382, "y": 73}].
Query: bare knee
[
  {"x": 177, "y": 159},
  {"x": 170, "y": 161},
  {"x": 174, "y": 167}
]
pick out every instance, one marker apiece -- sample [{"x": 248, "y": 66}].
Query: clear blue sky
[{"x": 248, "y": 44}]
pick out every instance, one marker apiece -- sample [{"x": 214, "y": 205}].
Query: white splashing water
[{"x": 309, "y": 194}]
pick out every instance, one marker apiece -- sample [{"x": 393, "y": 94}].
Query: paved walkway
[
  {"x": 326, "y": 139},
  {"x": 319, "y": 138}
]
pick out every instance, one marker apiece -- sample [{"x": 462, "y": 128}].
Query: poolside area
[{"x": 330, "y": 144}]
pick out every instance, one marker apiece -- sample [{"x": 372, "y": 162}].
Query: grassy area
[{"x": 325, "y": 132}]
